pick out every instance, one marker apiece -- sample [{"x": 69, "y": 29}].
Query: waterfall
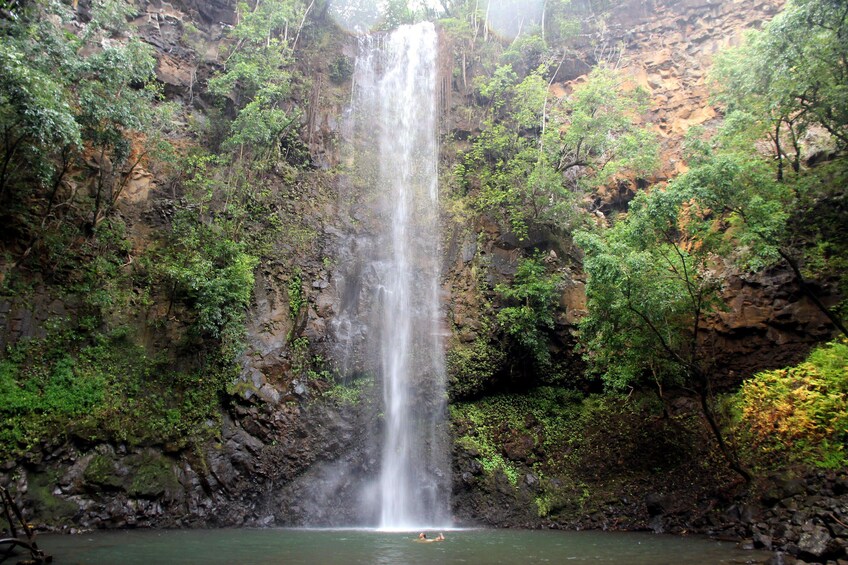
[{"x": 394, "y": 107}]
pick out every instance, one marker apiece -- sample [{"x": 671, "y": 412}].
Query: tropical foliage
[
  {"x": 529, "y": 316},
  {"x": 535, "y": 155},
  {"x": 799, "y": 413}
]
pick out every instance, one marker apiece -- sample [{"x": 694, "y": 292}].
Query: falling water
[{"x": 395, "y": 101}]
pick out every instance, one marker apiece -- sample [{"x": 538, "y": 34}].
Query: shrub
[
  {"x": 800, "y": 413},
  {"x": 529, "y": 317}
]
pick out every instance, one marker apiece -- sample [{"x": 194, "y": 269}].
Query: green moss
[
  {"x": 102, "y": 387},
  {"x": 102, "y": 472},
  {"x": 351, "y": 393},
  {"x": 566, "y": 497},
  {"x": 241, "y": 388},
  {"x": 153, "y": 476},
  {"x": 470, "y": 367},
  {"x": 145, "y": 475},
  {"x": 47, "y": 507},
  {"x": 577, "y": 441},
  {"x": 539, "y": 415}
]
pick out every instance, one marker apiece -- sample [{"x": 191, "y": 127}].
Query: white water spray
[{"x": 395, "y": 99}]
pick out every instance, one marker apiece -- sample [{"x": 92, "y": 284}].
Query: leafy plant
[
  {"x": 789, "y": 77},
  {"x": 80, "y": 382},
  {"x": 649, "y": 291},
  {"x": 257, "y": 78},
  {"x": 214, "y": 274},
  {"x": 532, "y": 298},
  {"x": 473, "y": 366},
  {"x": 799, "y": 413},
  {"x": 535, "y": 154}
]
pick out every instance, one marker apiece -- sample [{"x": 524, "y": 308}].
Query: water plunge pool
[{"x": 329, "y": 547}]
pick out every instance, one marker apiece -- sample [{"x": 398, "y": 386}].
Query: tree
[
  {"x": 535, "y": 155},
  {"x": 256, "y": 78},
  {"x": 69, "y": 100},
  {"x": 737, "y": 207},
  {"x": 790, "y": 76},
  {"x": 602, "y": 136},
  {"x": 35, "y": 116},
  {"x": 649, "y": 290},
  {"x": 783, "y": 82},
  {"x": 529, "y": 316},
  {"x": 114, "y": 100}
]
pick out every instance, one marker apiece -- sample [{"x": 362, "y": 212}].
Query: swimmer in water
[{"x": 422, "y": 537}]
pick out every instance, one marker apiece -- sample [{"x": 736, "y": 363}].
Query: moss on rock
[
  {"x": 46, "y": 506},
  {"x": 153, "y": 476}
]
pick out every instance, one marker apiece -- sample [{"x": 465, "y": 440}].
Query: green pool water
[{"x": 328, "y": 547}]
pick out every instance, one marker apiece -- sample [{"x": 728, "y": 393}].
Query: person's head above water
[{"x": 422, "y": 535}]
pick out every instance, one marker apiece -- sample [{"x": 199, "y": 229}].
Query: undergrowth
[
  {"x": 101, "y": 387},
  {"x": 798, "y": 414}
]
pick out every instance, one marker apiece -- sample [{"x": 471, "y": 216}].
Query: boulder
[{"x": 815, "y": 541}]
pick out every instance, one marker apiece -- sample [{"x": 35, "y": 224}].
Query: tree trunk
[
  {"x": 729, "y": 454},
  {"x": 805, "y": 288}
]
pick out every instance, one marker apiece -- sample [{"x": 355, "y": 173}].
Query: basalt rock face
[
  {"x": 667, "y": 47},
  {"x": 249, "y": 477},
  {"x": 769, "y": 323}
]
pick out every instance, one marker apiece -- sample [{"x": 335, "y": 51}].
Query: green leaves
[
  {"x": 63, "y": 92},
  {"x": 256, "y": 76},
  {"x": 736, "y": 207},
  {"x": 652, "y": 276},
  {"x": 532, "y": 298},
  {"x": 535, "y": 153},
  {"x": 109, "y": 99},
  {"x": 790, "y": 77},
  {"x": 101, "y": 386},
  {"x": 648, "y": 291},
  {"x": 214, "y": 274},
  {"x": 602, "y": 132},
  {"x": 36, "y": 115}
]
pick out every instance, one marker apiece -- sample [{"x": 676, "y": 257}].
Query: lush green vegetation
[
  {"x": 577, "y": 448},
  {"x": 81, "y": 115},
  {"x": 657, "y": 275},
  {"x": 785, "y": 84},
  {"x": 472, "y": 367},
  {"x": 798, "y": 414},
  {"x": 351, "y": 393},
  {"x": 649, "y": 291},
  {"x": 535, "y": 156},
  {"x": 754, "y": 196},
  {"x": 531, "y": 162},
  {"x": 257, "y": 80},
  {"x": 549, "y": 417},
  {"x": 529, "y": 317},
  {"x": 68, "y": 385}
]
